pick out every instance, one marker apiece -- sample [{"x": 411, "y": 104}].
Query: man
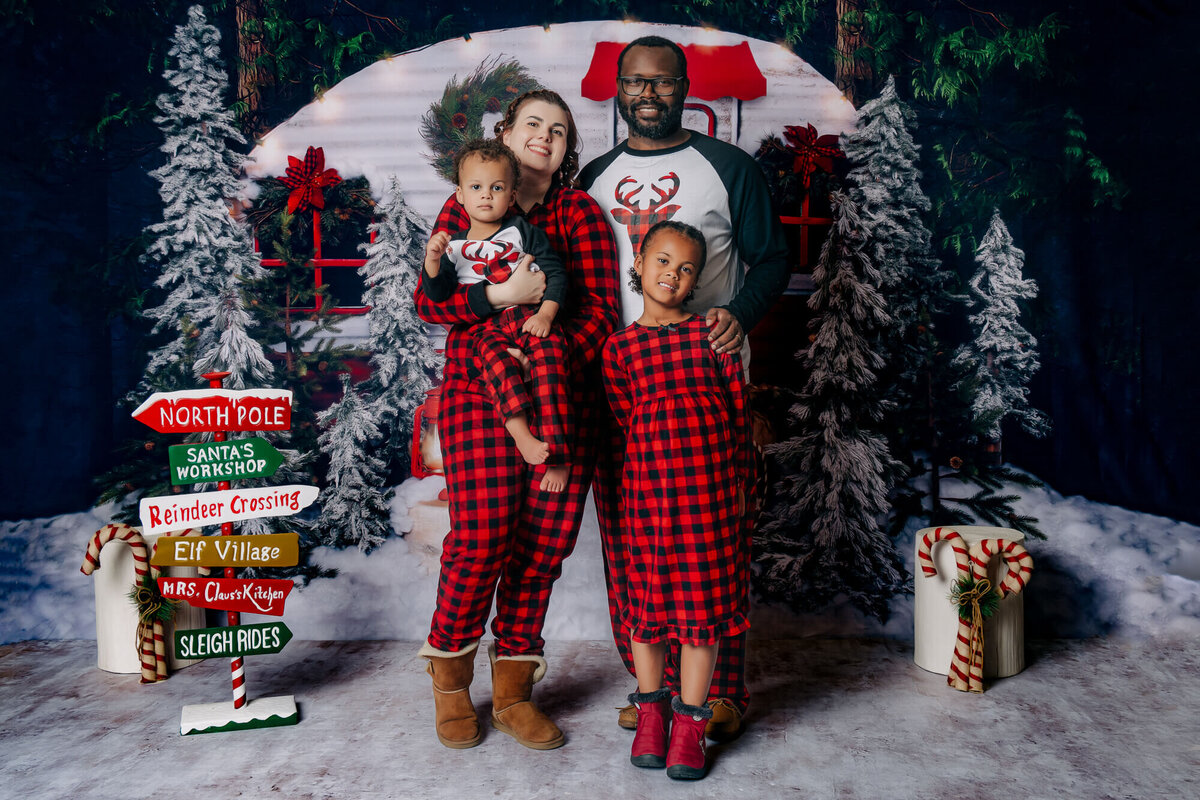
[{"x": 665, "y": 171}]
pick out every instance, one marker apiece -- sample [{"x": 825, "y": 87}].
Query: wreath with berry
[{"x": 458, "y": 117}]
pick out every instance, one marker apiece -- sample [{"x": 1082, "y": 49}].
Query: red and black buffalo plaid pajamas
[
  {"x": 685, "y": 414},
  {"x": 507, "y": 538}
]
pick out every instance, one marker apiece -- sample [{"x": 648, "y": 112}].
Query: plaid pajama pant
[
  {"x": 507, "y": 538},
  {"x": 548, "y": 408}
]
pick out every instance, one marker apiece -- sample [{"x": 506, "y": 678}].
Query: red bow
[
  {"x": 307, "y": 178},
  {"x": 812, "y": 152}
]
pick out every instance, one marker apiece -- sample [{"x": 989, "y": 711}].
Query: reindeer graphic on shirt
[
  {"x": 491, "y": 259},
  {"x": 637, "y": 220}
]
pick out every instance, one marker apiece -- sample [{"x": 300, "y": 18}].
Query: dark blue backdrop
[{"x": 1118, "y": 288}]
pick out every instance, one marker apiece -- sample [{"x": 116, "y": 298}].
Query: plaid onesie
[
  {"x": 686, "y": 417},
  {"x": 492, "y": 260},
  {"x": 507, "y": 538}
]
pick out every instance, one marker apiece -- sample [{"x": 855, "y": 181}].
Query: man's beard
[{"x": 670, "y": 121}]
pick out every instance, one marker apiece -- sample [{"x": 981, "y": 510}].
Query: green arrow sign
[
  {"x": 223, "y": 461},
  {"x": 240, "y": 640}
]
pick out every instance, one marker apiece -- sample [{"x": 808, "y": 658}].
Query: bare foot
[
  {"x": 555, "y": 479},
  {"x": 533, "y": 450}
]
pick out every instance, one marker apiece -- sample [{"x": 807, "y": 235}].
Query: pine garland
[
  {"x": 966, "y": 592},
  {"x": 458, "y": 117},
  {"x": 151, "y": 605}
]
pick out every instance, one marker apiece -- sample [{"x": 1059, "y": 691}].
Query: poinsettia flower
[
  {"x": 811, "y": 151},
  {"x": 307, "y": 179}
]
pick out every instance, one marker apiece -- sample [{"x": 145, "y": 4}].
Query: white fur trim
[
  {"x": 538, "y": 673},
  {"x": 429, "y": 651}
]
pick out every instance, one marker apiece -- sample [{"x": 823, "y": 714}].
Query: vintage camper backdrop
[{"x": 389, "y": 118}]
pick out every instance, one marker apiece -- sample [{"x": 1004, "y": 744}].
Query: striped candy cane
[
  {"x": 160, "y": 645},
  {"x": 957, "y": 544},
  {"x": 141, "y": 559},
  {"x": 966, "y": 668}
]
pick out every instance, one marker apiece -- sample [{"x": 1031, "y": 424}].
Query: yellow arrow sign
[{"x": 267, "y": 550}]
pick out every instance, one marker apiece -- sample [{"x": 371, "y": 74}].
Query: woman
[{"x": 507, "y": 538}]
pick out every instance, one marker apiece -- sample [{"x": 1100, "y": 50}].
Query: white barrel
[
  {"x": 116, "y": 617},
  {"x": 935, "y": 619}
]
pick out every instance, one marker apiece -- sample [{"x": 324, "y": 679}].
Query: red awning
[{"x": 714, "y": 71}]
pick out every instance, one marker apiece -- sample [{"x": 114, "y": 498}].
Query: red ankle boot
[
  {"x": 687, "y": 757},
  {"x": 653, "y": 720}
]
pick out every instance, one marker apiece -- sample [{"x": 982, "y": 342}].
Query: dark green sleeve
[
  {"x": 757, "y": 233},
  {"x": 551, "y": 265},
  {"x": 440, "y": 289}
]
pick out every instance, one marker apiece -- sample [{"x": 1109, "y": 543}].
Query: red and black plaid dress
[{"x": 685, "y": 412}]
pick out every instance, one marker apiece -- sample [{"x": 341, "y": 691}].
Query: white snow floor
[{"x": 846, "y": 719}]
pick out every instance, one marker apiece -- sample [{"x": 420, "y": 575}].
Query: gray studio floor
[{"x": 831, "y": 719}]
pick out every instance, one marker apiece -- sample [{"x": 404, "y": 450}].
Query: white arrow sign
[{"x": 161, "y": 514}]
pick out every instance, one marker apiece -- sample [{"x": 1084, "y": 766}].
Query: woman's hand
[{"x": 522, "y": 287}]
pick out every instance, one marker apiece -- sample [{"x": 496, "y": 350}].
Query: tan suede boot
[
  {"x": 513, "y": 712},
  {"x": 454, "y": 716}
]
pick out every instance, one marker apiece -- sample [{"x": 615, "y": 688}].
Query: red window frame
[{"x": 320, "y": 263}]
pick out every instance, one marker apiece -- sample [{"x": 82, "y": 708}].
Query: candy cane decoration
[
  {"x": 966, "y": 667},
  {"x": 141, "y": 559},
  {"x": 957, "y": 544},
  {"x": 152, "y": 651}
]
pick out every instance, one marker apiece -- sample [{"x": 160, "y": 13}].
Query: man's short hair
[{"x": 655, "y": 41}]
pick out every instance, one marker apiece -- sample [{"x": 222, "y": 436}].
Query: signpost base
[{"x": 265, "y": 712}]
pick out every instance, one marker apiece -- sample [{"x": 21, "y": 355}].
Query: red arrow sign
[
  {"x": 197, "y": 410},
  {"x": 248, "y": 595}
]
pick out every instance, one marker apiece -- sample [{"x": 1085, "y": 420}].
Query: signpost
[
  {"x": 223, "y": 461},
  {"x": 249, "y": 595},
  {"x": 219, "y": 411},
  {"x": 176, "y": 511},
  {"x": 265, "y": 550},
  {"x": 244, "y": 640}
]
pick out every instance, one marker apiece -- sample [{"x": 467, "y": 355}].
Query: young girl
[{"x": 688, "y": 469}]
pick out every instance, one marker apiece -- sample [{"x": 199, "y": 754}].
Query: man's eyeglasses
[{"x": 663, "y": 87}]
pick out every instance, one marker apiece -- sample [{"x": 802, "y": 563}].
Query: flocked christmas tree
[
  {"x": 885, "y": 185},
  {"x": 403, "y": 360},
  {"x": 1002, "y": 357},
  {"x": 354, "y": 505},
  {"x": 823, "y": 533},
  {"x": 202, "y": 251}
]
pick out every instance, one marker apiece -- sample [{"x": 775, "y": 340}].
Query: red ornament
[
  {"x": 811, "y": 152},
  {"x": 307, "y": 178}
]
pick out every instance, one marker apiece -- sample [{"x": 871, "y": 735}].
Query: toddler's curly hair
[{"x": 488, "y": 150}]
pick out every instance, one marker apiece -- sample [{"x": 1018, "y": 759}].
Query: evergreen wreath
[
  {"x": 348, "y": 209},
  {"x": 458, "y": 118}
]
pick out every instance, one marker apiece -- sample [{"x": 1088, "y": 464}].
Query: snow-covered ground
[{"x": 1102, "y": 570}]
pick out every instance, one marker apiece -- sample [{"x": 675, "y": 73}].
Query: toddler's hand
[
  {"x": 439, "y": 243},
  {"x": 537, "y": 325}
]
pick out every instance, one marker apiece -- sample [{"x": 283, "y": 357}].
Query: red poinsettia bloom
[
  {"x": 307, "y": 179},
  {"x": 812, "y": 152}
]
